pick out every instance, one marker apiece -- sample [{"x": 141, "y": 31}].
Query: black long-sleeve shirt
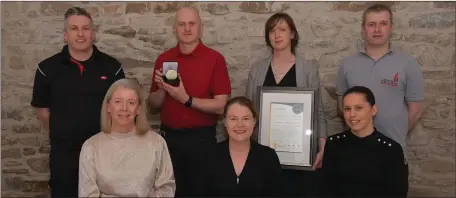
[
  {"x": 363, "y": 166},
  {"x": 260, "y": 177}
]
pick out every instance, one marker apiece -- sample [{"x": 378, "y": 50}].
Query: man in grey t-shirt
[{"x": 393, "y": 76}]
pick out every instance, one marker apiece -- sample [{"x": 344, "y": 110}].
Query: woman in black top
[
  {"x": 240, "y": 167},
  {"x": 362, "y": 162},
  {"x": 285, "y": 68}
]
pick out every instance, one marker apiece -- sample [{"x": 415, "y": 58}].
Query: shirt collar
[
  {"x": 392, "y": 48},
  {"x": 66, "y": 57},
  {"x": 198, "y": 51}
]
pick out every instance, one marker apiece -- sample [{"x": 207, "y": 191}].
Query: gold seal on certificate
[{"x": 287, "y": 119}]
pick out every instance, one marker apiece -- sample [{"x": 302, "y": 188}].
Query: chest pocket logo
[{"x": 391, "y": 82}]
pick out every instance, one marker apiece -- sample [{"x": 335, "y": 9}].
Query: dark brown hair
[
  {"x": 378, "y": 8},
  {"x": 272, "y": 22},
  {"x": 243, "y": 101}
]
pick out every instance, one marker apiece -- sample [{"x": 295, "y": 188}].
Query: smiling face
[
  {"x": 123, "y": 108},
  {"x": 377, "y": 28},
  {"x": 79, "y": 33},
  {"x": 358, "y": 113},
  {"x": 239, "y": 122}
]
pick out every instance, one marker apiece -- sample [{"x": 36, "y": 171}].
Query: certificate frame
[{"x": 296, "y": 160}]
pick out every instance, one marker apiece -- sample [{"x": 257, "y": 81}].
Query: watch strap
[{"x": 188, "y": 103}]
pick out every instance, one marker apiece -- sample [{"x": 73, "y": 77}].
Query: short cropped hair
[
  {"x": 141, "y": 122},
  {"x": 76, "y": 11},
  {"x": 377, "y": 8}
]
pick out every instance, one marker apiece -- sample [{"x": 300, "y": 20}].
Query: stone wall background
[{"x": 136, "y": 33}]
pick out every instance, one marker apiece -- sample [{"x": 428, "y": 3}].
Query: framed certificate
[{"x": 287, "y": 123}]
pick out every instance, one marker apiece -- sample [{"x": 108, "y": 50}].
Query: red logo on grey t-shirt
[{"x": 391, "y": 82}]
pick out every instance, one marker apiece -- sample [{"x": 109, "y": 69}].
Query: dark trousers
[
  {"x": 302, "y": 183},
  {"x": 64, "y": 167},
  {"x": 406, "y": 181},
  {"x": 186, "y": 148}
]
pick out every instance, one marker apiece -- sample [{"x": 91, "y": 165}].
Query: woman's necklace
[{"x": 277, "y": 75}]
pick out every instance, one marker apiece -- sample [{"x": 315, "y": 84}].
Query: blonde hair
[{"x": 142, "y": 125}]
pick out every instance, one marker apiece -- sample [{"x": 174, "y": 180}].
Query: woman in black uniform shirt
[
  {"x": 362, "y": 162},
  {"x": 240, "y": 167}
]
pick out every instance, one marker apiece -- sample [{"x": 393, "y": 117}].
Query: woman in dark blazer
[
  {"x": 239, "y": 166},
  {"x": 286, "y": 69}
]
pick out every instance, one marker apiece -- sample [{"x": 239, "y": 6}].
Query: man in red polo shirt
[{"x": 189, "y": 111}]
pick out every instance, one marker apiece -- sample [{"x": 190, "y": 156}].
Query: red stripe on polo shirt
[{"x": 81, "y": 67}]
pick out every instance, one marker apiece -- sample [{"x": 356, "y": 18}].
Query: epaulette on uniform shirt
[{"x": 376, "y": 137}]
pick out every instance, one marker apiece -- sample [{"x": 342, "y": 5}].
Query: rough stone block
[
  {"x": 132, "y": 63},
  {"x": 138, "y": 8},
  {"x": 54, "y": 8},
  {"x": 113, "y": 10},
  {"x": 8, "y": 141},
  {"x": 325, "y": 27},
  {"x": 45, "y": 149},
  {"x": 445, "y": 4},
  {"x": 28, "y": 151},
  {"x": 93, "y": 11},
  {"x": 124, "y": 31},
  {"x": 22, "y": 129},
  {"x": 17, "y": 171},
  {"x": 437, "y": 20},
  {"x": 14, "y": 153},
  {"x": 358, "y": 6},
  {"x": 25, "y": 185},
  {"x": 10, "y": 163},
  {"x": 40, "y": 165},
  {"x": 216, "y": 8},
  {"x": 155, "y": 40},
  {"x": 263, "y": 7},
  {"x": 10, "y": 113},
  {"x": 170, "y": 7}
]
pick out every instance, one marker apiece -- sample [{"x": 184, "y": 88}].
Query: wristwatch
[{"x": 189, "y": 101}]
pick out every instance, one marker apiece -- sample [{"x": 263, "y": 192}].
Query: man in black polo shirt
[{"x": 68, "y": 92}]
